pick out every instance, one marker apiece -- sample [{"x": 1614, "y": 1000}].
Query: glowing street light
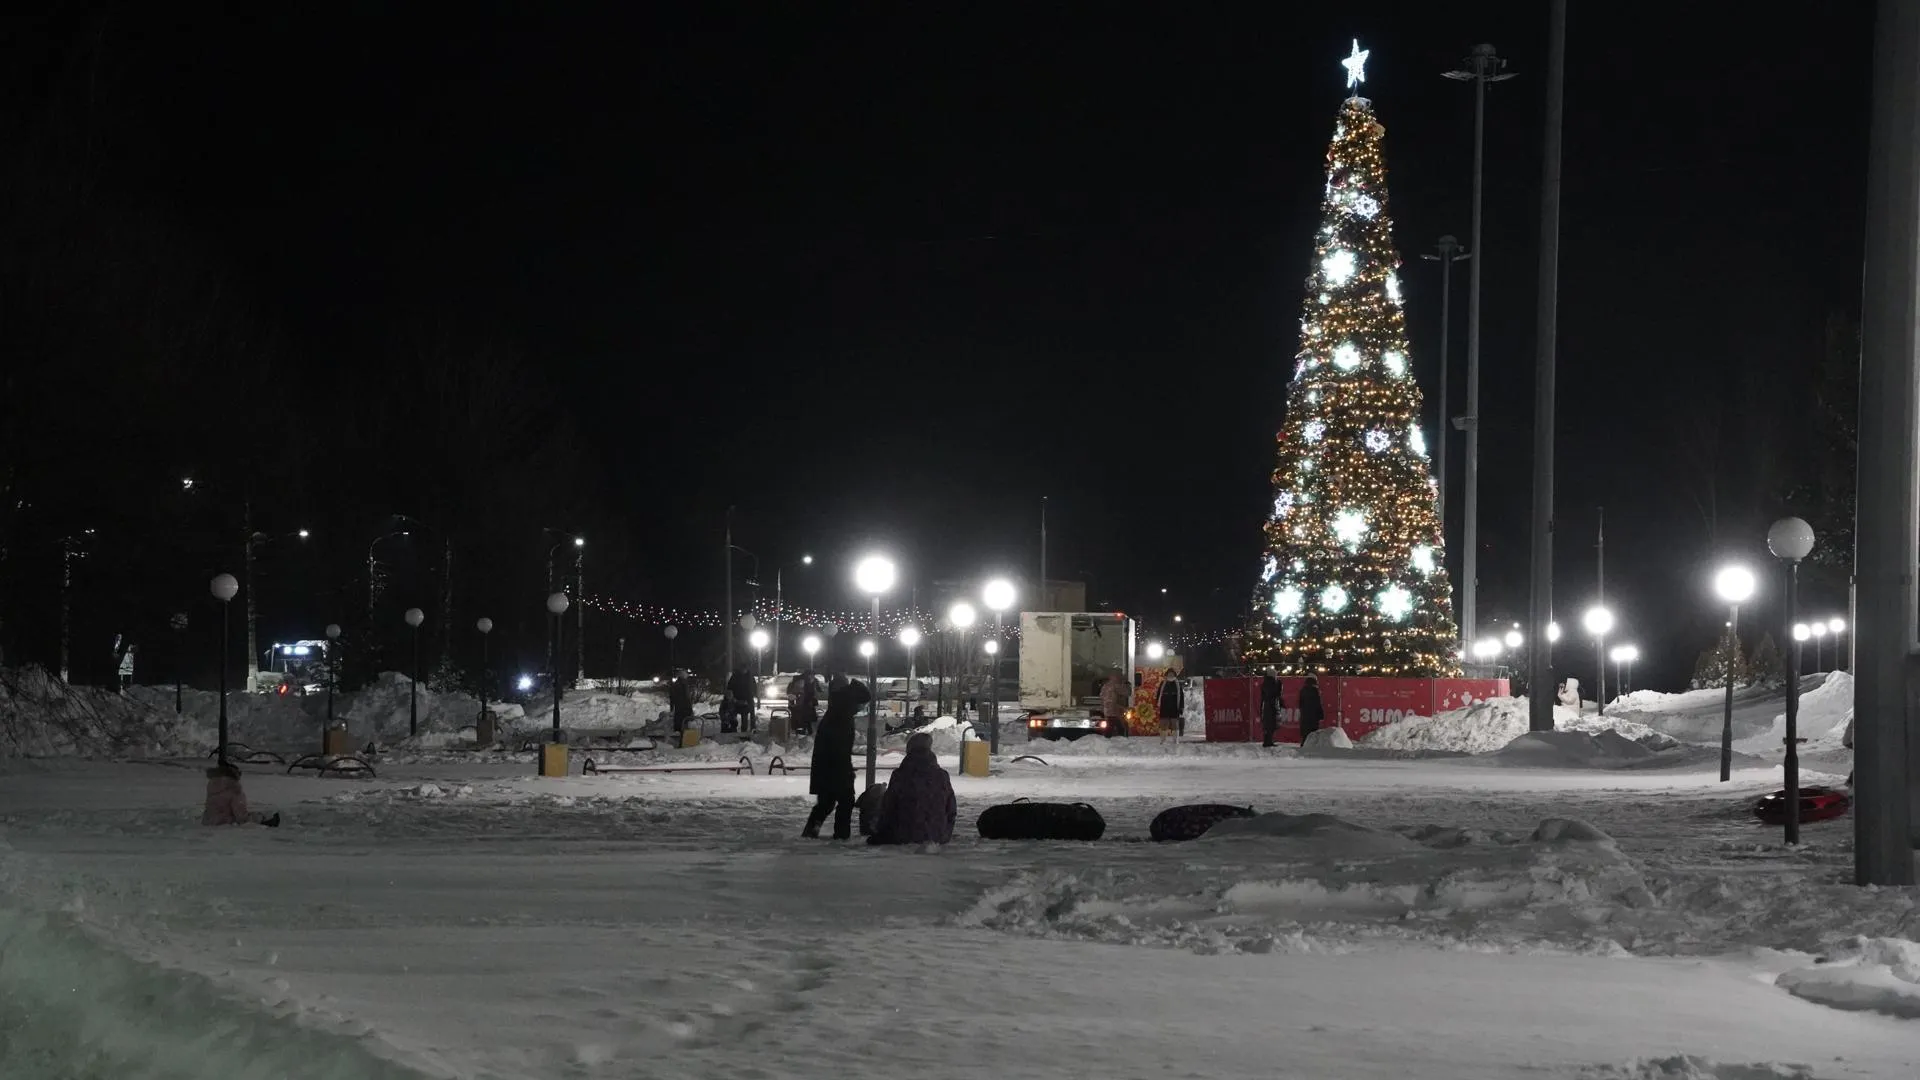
[
  {"x": 1623, "y": 655},
  {"x": 998, "y": 595},
  {"x": 962, "y": 615},
  {"x": 758, "y": 640},
  {"x": 1733, "y": 584},
  {"x": 1155, "y": 650},
  {"x": 1514, "y": 639},
  {"x": 1791, "y": 539},
  {"x": 992, "y": 647},
  {"x": 223, "y": 587},
  {"x": 557, "y": 604},
  {"x": 1598, "y": 622},
  {"x": 873, "y": 575},
  {"x": 1553, "y": 632},
  {"x": 810, "y": 645}
]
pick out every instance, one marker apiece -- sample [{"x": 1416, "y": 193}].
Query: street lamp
[
  {"x": 910, "y": 637},
  {"x": 179, "y": 623},
  {"x": 414, "y": 618},
  {"x": 873, "y": 575},
  {"x": 670, "y": 633},
  {"x": 1733, "y": 584},
  {"x": 810, "y": 645},
  {"x": 1623, "y": 655},
  {"x": 485, "y": 626},
  {"x": 1155, "y": 650},
  {"x": 992, "y": 647},
  {"x": 1791, "y": 539},
  {"x": 998, "y": 595},
  {"x": 557, "y": 605},
  {"x": 1837, "y": 626},
  {"x": 333, "y": 677},
  {"x": 1553, "y": 632},
  {"x": 759, "y": 640},
  {"x": 1598, "y": 622},
  {"x": 780, "y": 606},
  {"x": 223, "y": 588},
  {"x": 1819, "y": 639}
]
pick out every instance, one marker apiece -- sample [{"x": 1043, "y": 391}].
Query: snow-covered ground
[{"x": 1391, "y": 915}]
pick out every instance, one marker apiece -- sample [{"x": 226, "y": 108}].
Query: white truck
[{"x": 1065, "y": 658}]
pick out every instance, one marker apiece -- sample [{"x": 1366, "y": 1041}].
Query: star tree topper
[{"x": 1356, "y": 65}]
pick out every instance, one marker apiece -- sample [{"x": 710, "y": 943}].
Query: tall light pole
[
  {"x": 1733, "y": 584},
  {"x": 1819, "y": 640},
  {"x": 580, "y": 610},
  {"x": 223, "y": 588},
  {"x": 1450, "y": 253},
  {"x": 1624, "y": 656},
  {"x": 726, "y": 617},
  {"x": 553, "y": 585},
  {"x": 1790, "y": 540},
  {"x": 810, "y": 645},
  {"x": 998, "y": 595},
  {"x": 254, "y": 539},
  {"x": 1546, "y": 337},
  {"x": 961, "y": 618},
  {"x": 780, "y": 608},
  {"x": 910, "y": 639},
  {"x": 759, "y": 640},
  {"x": 375, "y": 586},
  {"x": 1837, "y": 626},
  {"x": 873, "y": 575},
  {"x": 485, "y": 626},
  {"x": 333, "y": 677},
  {"x": 1482, "y": 67},
  {"x": 1599, "y": 622},
  {"x": 71, "y": 548},
  {"x": 670, "y": 633},
  {"x": 179, "y": 623},
  {"x": 557, "y": 604},
  {"x": 414, "y": 618}
]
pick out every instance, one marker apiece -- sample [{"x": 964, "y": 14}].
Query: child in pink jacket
[{"x": 227, "y": 801}]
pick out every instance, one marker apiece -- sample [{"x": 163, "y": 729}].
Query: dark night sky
[{"x": 891, "y": 273}]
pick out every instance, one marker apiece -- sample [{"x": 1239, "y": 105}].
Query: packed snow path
[{"x": 470, "y": 920}]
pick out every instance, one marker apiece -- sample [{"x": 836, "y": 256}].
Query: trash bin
[
  {"x": 690, "y": 737},
  {"x": 973, "y": 757},
  {"x": 334, "y": 742},
  {"x": 553, "y": 759}
]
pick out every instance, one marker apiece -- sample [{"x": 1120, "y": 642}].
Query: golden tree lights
[{"x": 1353, "y": 581}]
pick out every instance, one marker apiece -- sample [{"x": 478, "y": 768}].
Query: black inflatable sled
[
  {"x": 1192, "y": 822},
  {"x": 1816, "y": 804},
  {"x": 1023, "y": 820}
]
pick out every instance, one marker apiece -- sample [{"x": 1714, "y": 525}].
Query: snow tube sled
[
  {"x": 1816, "y": 804},
  {"x": 1023, "y": 820},
  {"x": 1192, "y": 822}
]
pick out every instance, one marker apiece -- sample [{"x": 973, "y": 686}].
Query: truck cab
[{"x": 1065, "y": 657}]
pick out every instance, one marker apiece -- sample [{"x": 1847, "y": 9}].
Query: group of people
[
  {"x": 1273, "y": 700},
  {"x": 916, "y": 804}
]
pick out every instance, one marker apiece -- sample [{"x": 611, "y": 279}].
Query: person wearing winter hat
[
  {"x": 227, "y": 801},
  {"x": 918, "y": 807}
]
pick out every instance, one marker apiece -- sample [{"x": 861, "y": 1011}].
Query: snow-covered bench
[{"x": 590, "y": 767}]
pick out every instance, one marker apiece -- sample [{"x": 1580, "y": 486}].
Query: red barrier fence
[{"x": 1356, "y": 705}]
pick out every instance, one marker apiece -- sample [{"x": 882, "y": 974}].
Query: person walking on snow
[
  {"x": 1114, "y": 697},
  {"x": 918, "y": 807},
  {"x": 126, "y": 667},
  {"x": 831, "y": 779},
  {"x": 227, "y": 801},
  {"x": 1270, "y": 706},
  {"x": 1312, "y": 712}
]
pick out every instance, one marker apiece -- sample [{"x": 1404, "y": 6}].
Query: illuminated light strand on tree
[{"x": 1366, "y": 592}]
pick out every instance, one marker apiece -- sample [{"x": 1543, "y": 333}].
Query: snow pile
[
  {"x": 1326, "y": 740},
  {"x": 140, "y": 1020},
  {"x": 1825, "y": 712},
  {"x": 1487, "y": 726},
  {"x": 1691, "y": 1067},
  {"x": 1254, "y": 885},
  {"x": 42, "y": 717},
  {"x": 1875, "y": 974},
  {"x": 601, "y": 710}
]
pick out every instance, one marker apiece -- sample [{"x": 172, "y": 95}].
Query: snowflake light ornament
[
  {"x": 1393, "y": 285},
  {"x": 1269, "y": 568},
  {"x": 1350, "y": 527},
  {"x": 1314, "y": 431},
  {"x": 1377, "y": 440},
  {"x": 1287, "y": 603},
  {"x": 1417, "y": 440},
  {"x": 1339, "y": 267},
  {"x": 1365, "y": 205},
  {"x": 1395, "y": 602},
  {"x": 1347, "y": 356},
  {"x": 1423, "y": 558},
  {"x": 1333, "y": 599},
  {"x": 1395, "y": 362},
  {"x": 1282, "y": 504}
]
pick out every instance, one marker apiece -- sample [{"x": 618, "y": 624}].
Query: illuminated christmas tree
[{"x": 1353, "y": 581}]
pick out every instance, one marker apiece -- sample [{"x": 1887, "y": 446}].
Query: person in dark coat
[
  {"x": 1312, "y": 712},
  {"x": 1270, "y": 706},
  {"x": 806, "y": 702},
  {"x": 740, "y": 695},
  {"x": 831, "y": 779},
  {"x": 918, "y": 807},
  {"x": 680, "y": 701},
  {"x": 1173, "y": 704}
]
